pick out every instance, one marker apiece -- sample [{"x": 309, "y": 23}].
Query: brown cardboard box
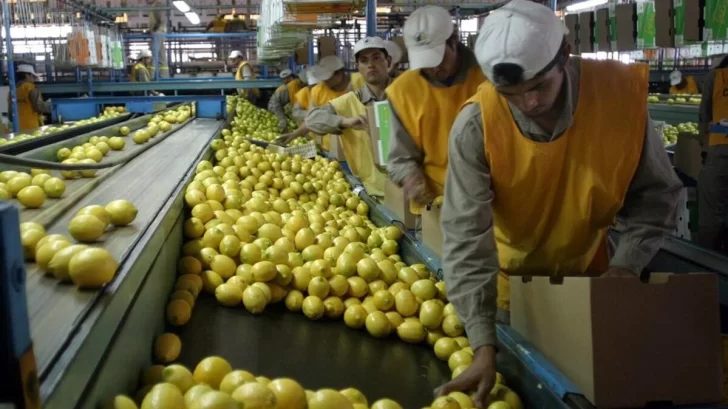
[
  {"x": 688, "y": 157},
  {"x": 374, "y": 135},
  {"x": 625, "y": 343},
  {"x": 431, "y": 231},
  {"x": 626, "y": 26},
  {"x": 301, "y": 56},
  {"x": 664, "y": 23},
  {"x": 395, "y": 200},
  {"x": 327, "y": 46},
  {"x": 604, "y": 42},
  {"x": 572, "y": 23},
  {"x": 693, "y": 16},
  {"x": 586, "y": 32}
]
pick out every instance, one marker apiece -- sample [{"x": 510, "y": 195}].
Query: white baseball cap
[
  {"x": 327, "y": 66},
  {"x": 425, "y": 33},
  {"x": 26, "y": 68},
  {"x": 144, "y": 54},
  {"x": 675, "y": 77},
  {"x": 235, "y": 54},
  {"x": 523, "y": 33},
  {"x": 394, "y": 51},
  {"x": 311, "y": 78},
  {"x": 285, "y": 74},
  {"x": 368, "y": 43}
]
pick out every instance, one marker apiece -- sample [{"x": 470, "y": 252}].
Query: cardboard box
[
  {"x": 431, "y": 231},
  {"x": 687, "y": 156},
  {"x": 626, "y": 26},
  {"x": 327, "y": 46},
  {"x": 604, "y": 39},
  {"x": 664, "y": 23},
  {"x": 396, "y": 201},
  {"x": 572, "y": 23},
  {"x": 693, "y": 19},
  {"x": 586, "y": 32},
  {"x": 626, "y": 343}
]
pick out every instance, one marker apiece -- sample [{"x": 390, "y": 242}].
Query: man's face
[
  {"x": 537, "y": 96},
  {"x": 449, "y": 65},
  {"x": 373, "y": 65},
  {"x": 237, "y": 60},
  {"x": 337, "y": 82},
  {"x": 287, "y": 80},
  {"x": 147, "y": 61}
]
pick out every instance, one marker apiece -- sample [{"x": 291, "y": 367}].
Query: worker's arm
[
  {"x": 470, "y": 258},
  {"x": 405, "y": 158},
  {"x": 705, "y": 115},
  {"x": 298, "y": 113},
  {"x": 323, "y": 120},
  {"x": 36, "y": 100},
  {"x": 649, "y": 210},
  {"x": 278, "y": 101}
]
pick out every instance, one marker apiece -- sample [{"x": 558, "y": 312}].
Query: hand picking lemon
[
  {"x": 211, "y": 371},
  {"x": 122, "y": 212},
  {"x": 58, "y": 266},
  {"x": 179, "y": 376},
  {"x": 255, "y": 395},
  {"x": 163, "y": 396},
  {"x": 32, "y": 197},
  {"x": 86, "y": 228},
  {"x": 92, "y": 267},
  {"x": 167, "y": 348}
]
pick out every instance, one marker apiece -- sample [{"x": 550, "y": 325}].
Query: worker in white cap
[
  {"x": 425, "y": 100},
  {"x": 542, "y": 160},
  {"x": 683, "y": 84},
  {"x": 140, "y": 71},
  {"x": 346, "y": 115},
  {"x": 303, "y": 96},
  {"x": 395, "y": 53},
  {"x": 244, "y": 71},
  {"x": 284, "y": 96},
  {"x": 713, "y": 178},
  {"x": 31, "y": 106}
]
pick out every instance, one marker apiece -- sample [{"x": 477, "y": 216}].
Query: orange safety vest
[
  {"x": 320, "y": 96},
  {"x": 427, "y": 113},
  {"x": 691, "y": 87},
  {"x": 28, "y": 117},
  {"x": 546, "y": 225},
  {"x": 303, "y": 98},
  {"x": 293, "y": 88},
  {"x": 720, "y": 105},
  {"x": 239, "y": 77},
  {"x": 218, "y": 25}
]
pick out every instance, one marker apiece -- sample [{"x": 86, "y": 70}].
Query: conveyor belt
[{"x": 60, "y": 314}]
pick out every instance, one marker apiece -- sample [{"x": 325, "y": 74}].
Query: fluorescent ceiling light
[
  {"x": 182, "y": 6},
  {"x": 585, "y": 5},
  {"x": 193, "y": 17}
]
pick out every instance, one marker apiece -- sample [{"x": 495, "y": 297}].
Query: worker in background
[
  {"x": 303, "y": 97},
  {"x": 395, "y": 53},
  {"x": 681, "y": 84},
  {"x": 334, "y": 82},
  {"x": 31, "y": 106},
  {"x": 713, "y": 178},
  {"x": 158, "y": 26},
  {"x": 346, "y": 115},
  {"x": 425, "y": 100},
  {"x": 244, "y": 71},
  {"x": 283, "y": 96},
  {"x": 140, "y": 71},
  {"x": 218, "y": 25},
  {"x": 542, "y": 160}
]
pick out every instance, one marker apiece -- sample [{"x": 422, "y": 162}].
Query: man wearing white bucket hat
[
  {"x": 346, "y": 115},
  {"x": 542, "y": 159},
  {"x": 334, "y": 82},
  {"x": 425, "y": 100},
  {"x": 683, "y": 84},
  {"x": 303, "y": 96},
  {"x": 244, "y": 71},
  {"x": 31, "y": 106},
  {"x": 285, "y": 95},
  {"x": 140, "y": 70}
]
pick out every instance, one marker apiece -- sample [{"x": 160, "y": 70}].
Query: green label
[
  {"x": 383, "y": 117},
  {"x": 716, "y": 20},
  {"x": 646, "y": 25}
]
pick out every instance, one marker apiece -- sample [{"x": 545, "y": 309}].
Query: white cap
[
  {"x": 144, "y": 54},
  {"x": 285, "y": 74},
  {"x": 311, "y": 78},
  {"x": 675, "y": 77},
  {"x": 425, "y": 33},
  {"x": 26, "y": 68},
  {"x": 522, "y": 32},
  {"x": 394, "y": 51},
  {"x": 368, "y": 43},
  {"x": 327, "y": 66},
  {"x": 235, "y": 54}
]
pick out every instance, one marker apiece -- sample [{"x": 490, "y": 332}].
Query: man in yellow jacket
[
  {"x": 681, "y": 84},
  {"x": 31, "y": 106},
  {"x": 713, "y": 178},
  {"x": 346, "y": 115},
  {"x": 244, "y": 71},
  {"x": 334, "y": 82},
  {"x": 285, "y": 95},
  {"x": 543, "y": 158},
  {"x": 140, "y": 71},
  {"x": 425, "y": 100},
  {"x": 303, "y": 97}
]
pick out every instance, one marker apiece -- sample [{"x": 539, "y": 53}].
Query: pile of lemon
[
  {"x": 162, "y": 123},
  {"x": 57, "y": 255},
  {"x": 30, "y": 189},
  {"x": 90, "y": 152},
  {"x": 267, "y": 228}
]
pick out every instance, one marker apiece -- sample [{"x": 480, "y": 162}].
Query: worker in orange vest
[
  {"x": 682, "y": 84},
  {"x": 542, "y": 159},
  {"x": 31, "y": 106},
  {"x": 283, "y": 96}
]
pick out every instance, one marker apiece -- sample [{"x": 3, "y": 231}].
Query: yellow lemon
[
  {"x": 211, "y": 371},
  {"x": 459, "y": 358},
  {"x": 195, "y": 393},
  {"x": 210, "y": 281},
  {"x": 98, "y": 211},
  {"x": 229, "y": 295},
  {"x": 215, "y": 400},
  {"x": 289, "y": 393},
  {"x": 445, "y": 402},
  {"x": 32, "y": 197},
  {"x": 120, "y": 402},
  {"x": 163, "y": 396},
  {"x": 122, "y": 212},
  {"x": 452, "y": 326},
  {"x": 329, "y": 399},
  {"x": 463, "y": 400},
  {"x": 92, "y": 267},
  {"x": 444, "y": 347},
  {"x": 254, "y": 300},
  {"x": 167, "y": 347},
  {"x": 255, "y": 396},
  {"x": 386, "y": 403},
  {"x": 431, "y": 314},
  {"x": 30, "y": 239},
  {"x": 54, "y": 187},
  {"x": 313, "y": 307},
  {"x": 355, "y": 316},
  {"x": 354, "y": 396},
  {"x": 411, "y": 331},
  {"x": 406, "y": 303},
  {"x": 333, "y": 307},
  {"x": 378, "y": 324},
  {"x": 383, "y": 300},
  {"x": 86, "y": 228},
  {"x": 234, "y": 379},
  {"x": 179, "y": 376},
  {"x": 178, "y": 312}
]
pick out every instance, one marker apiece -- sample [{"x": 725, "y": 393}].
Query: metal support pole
[
  {"x": 371, "y": 14},
  {"x": 155, "y": 55},
  {"x": 90, "y": 82},
  {"x": 311, "y": 60},
  {"x": 11, "y": 66}
]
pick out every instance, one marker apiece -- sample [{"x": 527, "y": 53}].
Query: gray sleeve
[
  {"x": 323, "y": 120},
  {"x": 36, "y": 100},
  {"x": 649, "y": 210},
  {"x": 470, "y": 257},
  {"x": 247, "y": 72},
  {"x": 705, "y": 115},
  {"x": 298, "y": 113},
  {"x": 404, "y": 156},
  {"x": 278, "y": 101}
]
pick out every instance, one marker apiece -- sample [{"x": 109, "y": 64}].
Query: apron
[
  {"x": 29, "y": 119},
  {"x": 320, "y": 96}
]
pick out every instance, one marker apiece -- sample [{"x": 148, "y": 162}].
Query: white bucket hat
[
  {"x": 144, "y": 54},
  {"x": 235, "y": 54},
  {"x": 675, "y": 78},
  {"x": 326, "y": 68},
  {"x": 26, "y": 68}
]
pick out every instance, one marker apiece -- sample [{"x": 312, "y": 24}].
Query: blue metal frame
[
  {"x": 170, "y": 84},
  {"x": 208, "y": 106},
  {"x": 371, "y": 17},
  {"x": 11, "y": 66}
]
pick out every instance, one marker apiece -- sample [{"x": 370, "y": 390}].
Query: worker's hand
[
  {"x": 618, "y": 272},
  {"x": 282, "y": 124},
  {"x": 356, "y": 122},
  {"x": 285, "y": 139},
  {"x": 478, "y": 378},
  {"x": 415, "y": 187}
]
